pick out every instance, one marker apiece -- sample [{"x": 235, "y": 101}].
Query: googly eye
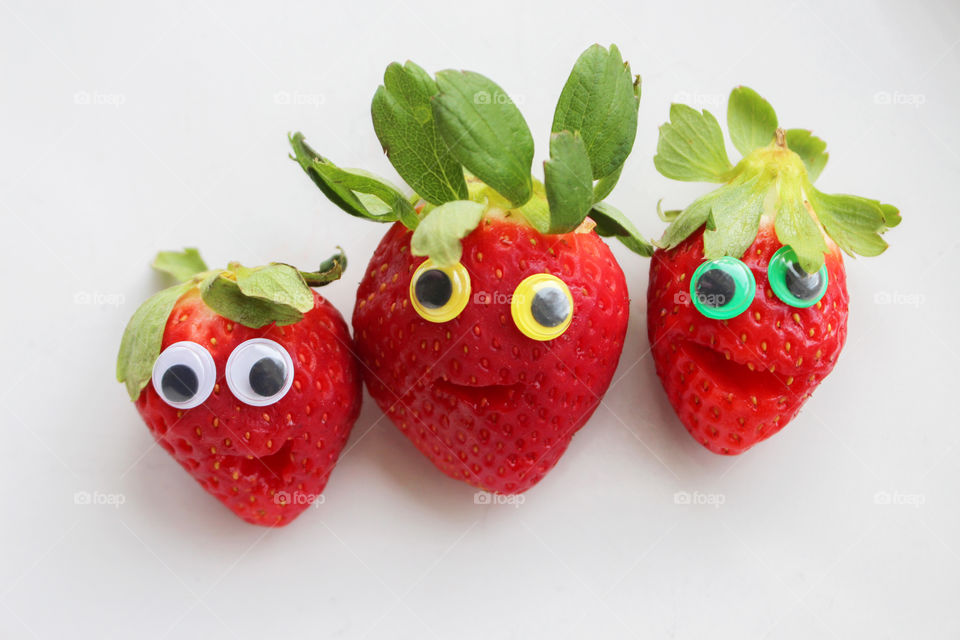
[
  {"x": 259, "y": 372},
  {"x": 184, "y": 375},
  {"x": 542, "y": 307},
  {"x": 439, "y": 294},
  {"x": 723, "y": 288},
  {"x": 791, "y": 283}
]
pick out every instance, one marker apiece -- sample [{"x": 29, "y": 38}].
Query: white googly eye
[
  {"x": 259, "y": 372},
  {"x": 184, "y": 375}
]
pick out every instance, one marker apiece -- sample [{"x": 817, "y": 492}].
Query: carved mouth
[
  {"x": 732, "y": 375},
  {"x": 480, "y": 396},
  {"x": 274, "y": 469}
]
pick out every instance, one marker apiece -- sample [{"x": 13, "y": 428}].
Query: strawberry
[
  {"x": 492, "y": 316},
  {"x": 246, "y": 377},
  {"x": 747, "y": 302}
]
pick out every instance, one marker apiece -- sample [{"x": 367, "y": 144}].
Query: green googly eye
[
  {"x": 791, "y": 283},
  {"x": 723, "y": 288}
]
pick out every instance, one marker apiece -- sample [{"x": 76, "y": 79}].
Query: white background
[{"x": 128, "y": 129}]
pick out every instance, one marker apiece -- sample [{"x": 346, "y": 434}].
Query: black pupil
[
  {"x": 267, "y": 377},
  {"x": 179, "y": 383},
  {"x": 715, "y": 288},
  {"x": 803, "y": 285},
  {"x": 550, "y": 307},
  {"x": 433, "y": 289}
]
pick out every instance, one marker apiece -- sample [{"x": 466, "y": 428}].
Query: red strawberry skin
[
  {"x": 736, "y": 382},
  {"x": 245, "y": 455},
  {"x": 486, "y": 404}
]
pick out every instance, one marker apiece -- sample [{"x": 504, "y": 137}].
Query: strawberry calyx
[
  {"x": 254, "y": 297},
  {"x": 458, "y": 140},
  {"x": 773, "y": 182}
]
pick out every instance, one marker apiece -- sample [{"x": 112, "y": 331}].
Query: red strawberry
[
  {"x": 747, "y": 303},
  {"x": 494, "y": 350},
  {"x": 483, "y": 401},
  {"x": 258, "y": 407},
  {"x": 738, "y": 381}
]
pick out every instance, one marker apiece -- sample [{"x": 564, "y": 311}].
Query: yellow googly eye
[
  {"x": 439, "y": 294},
  {"x": 542, "y": 307}
]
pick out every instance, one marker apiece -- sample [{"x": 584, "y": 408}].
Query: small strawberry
[
  {"x": 492, "y": 316},
  {"x": 246, "y": 377},
  {"x": 747, "y": 302}
]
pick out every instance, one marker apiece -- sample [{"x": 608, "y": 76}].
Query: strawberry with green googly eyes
[
  {"x": 747, "y": 302},
  {"x": 492, "y": 315},
  {"x": 247, "y": 378}
]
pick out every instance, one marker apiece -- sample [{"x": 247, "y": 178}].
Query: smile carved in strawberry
[
  {"x": 492, "y": 316},
  {"x": 246, "y": 377},
  {"x": 747, "y": 303}
]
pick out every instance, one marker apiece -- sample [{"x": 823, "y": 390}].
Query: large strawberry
[
  {"x": 747, "y": 301},
  {"x": 492, "y": 316},
  {"x": 246, "y": 377}
]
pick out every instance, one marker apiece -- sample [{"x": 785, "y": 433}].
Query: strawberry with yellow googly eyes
[
  {"x": 492, "y": 315},
  {"x": 747, "y": 303},
  {"x": 247, "y": 378}
]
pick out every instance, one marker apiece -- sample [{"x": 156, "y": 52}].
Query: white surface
[{"x": 182, "y": 142}]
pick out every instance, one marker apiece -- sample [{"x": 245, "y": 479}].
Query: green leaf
[
  {"x": 277, "y": 283},
  {"x": 347, "y": 188},
  {"x": 688, "y": 221},
  {"x": 403, "y": 120},
  {"x": 600, "y": 101},
  {"x": 182, "y": 265},
  {"x": 485, "y": 132},
  {"x": 439, "y": 233},
  {"x": 604, "y": 186},
  {"x": 143, "y": 338},
  {"x": 691, "y": 147},
  {"x": 751, "y": 120},
  {"x": 330, "y": 270},
  {"x": 736, "y": 210},
  {"x": 568, "y": 182},
  {"x": 611, "y": 222},
  {"x": 669, "y": 215},
  {"x": 811, "y": 149},
  {"x": 796, "y": 227},
  {"x": 854, "y": 223},
  {"x": 224, "y": 296}
]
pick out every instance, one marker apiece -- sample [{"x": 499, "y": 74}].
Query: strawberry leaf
[
  {"x": 796, "y": 227},
  {"x": 278, "y": 283},
  {"x": 600, "y": 101},
  {"x": 330, "y": 270},
  {"x": 485, "y": 132},
  {"x": 439, "y": 233},
  {"x": 182, "y": 265},
  {"x": 811, "y": 149},
  {"x": 736, "y": 210},
  {"x": 143, "y": 337},
  {"x": 751, "y": 121},
  {"x": 355, "y": 191},
  {"x": 854, "y": 223},
  {"x": 225, "y": 297},
  {"x": 611, "y": 222},
  {"x": 568, "y": 182},
  {"x": 691, "y": 147},
  {"x": 404, "y": 123}
]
